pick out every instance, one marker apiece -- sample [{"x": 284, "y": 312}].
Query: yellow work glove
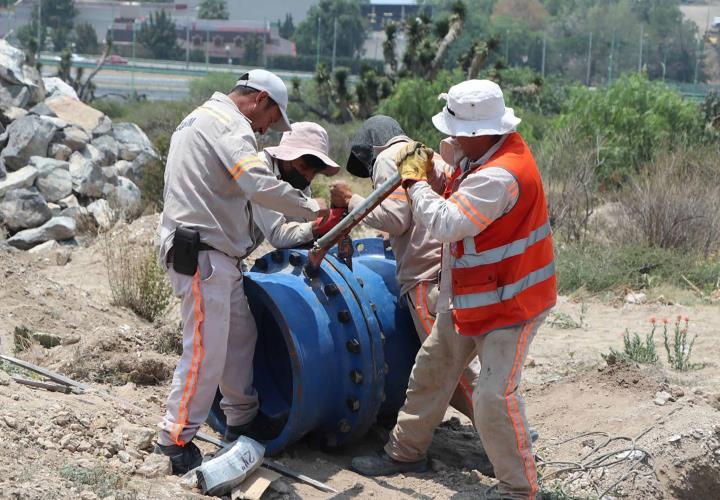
[{"x": 414, "y": 161}]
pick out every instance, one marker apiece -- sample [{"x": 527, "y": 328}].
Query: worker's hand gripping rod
[{"x": 322, "y": 245}]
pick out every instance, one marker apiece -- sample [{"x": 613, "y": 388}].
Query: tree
[
  {"x": 287, "y": 28},
  {"x": 636, "y": 118},
  {"x": 350, "y": 28},
  {"x": 158, "y": 35},
  {"x": 58, "y": 18},
  {"x": 254, "y": 47},
  {"x": 213, "y": 9},
  {"x": 389, "y": 45},
  {"x": 86, "y": 41}
]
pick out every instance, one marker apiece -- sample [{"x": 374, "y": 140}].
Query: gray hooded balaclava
[{"x": 374, "y": 132}]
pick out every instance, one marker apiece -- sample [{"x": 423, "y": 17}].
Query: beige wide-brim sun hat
[
  {"x": 475, "y": 108},
  {"x": 305, "y": 138}
]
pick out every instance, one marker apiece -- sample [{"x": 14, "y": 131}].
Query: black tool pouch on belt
[{"x": 186, "y": 246}]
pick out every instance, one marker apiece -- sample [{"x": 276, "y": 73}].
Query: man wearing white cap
[
  {"x": 303, "y": 153},
  {"x": 497, "y": 285},
  {"x": 212, "y": 175}
]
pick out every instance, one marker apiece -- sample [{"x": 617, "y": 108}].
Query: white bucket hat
[
  {"x": 305, "y": 138},
  {"x": 475, "y": 108},
  {"x": 260, "y": 79}
]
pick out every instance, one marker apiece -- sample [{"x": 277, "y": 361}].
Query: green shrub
[
  {"x": 102, "y": 480},
  {"x": 635, "y": 349},
  {"x": 414, "y": 101},
  {"x": 634, "y": 117},
  {"x": 136, "y": 279},
  {"x": 679, "y": 353},
  {"x": 202, "y": 88},
  {"x": 597, "y": 268}
]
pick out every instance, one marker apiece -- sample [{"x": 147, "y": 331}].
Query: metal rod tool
[{"x": 324, "y": 244}]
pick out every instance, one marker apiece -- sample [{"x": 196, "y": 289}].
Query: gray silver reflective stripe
[
  {"x": 471, "y": 259},
  {"x": 504, "y": 292},
  {"x": 468, "y": 246}
]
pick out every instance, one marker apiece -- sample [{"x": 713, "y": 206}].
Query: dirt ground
[{"x": 55, "y": 445}]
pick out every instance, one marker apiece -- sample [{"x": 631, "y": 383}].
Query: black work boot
[
  {"x": 384, "y": 465},
  {"x": 183, "y": 458},
  {"x": 261, "y": 428}
]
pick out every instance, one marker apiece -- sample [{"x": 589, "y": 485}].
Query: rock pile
[{"x": 61, "y": 161}]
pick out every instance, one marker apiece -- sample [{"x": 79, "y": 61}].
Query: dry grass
[
  {"x": 136, "y": 279},
  {"x": 675, "y": 205},
  {"x": 569, "y": 167}
]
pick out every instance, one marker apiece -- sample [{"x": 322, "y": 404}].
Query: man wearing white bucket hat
[
  {"x": 212, "y": 175},
  {"x": 497, "y": 285}
]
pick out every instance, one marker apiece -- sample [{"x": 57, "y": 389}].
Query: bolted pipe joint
[{"x": 322, "y": 349}]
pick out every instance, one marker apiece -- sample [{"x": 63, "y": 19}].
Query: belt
[{"x": 204, "y": 247}]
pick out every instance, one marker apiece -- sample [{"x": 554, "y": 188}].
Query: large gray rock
[
  {"x": 103, "y": 214},
  {"x": 138, "y": 166},
  {"x": 132, "y": 141},
  {"x": 91, "y": 153},
  {"x": 42, "y": 109},
  {"x": 55, "y": 121},
  {"x": 126, "y": 198},
  {"x": 55, "y": 86},
  {"x": 15, "y": 74},
  {"x": 57, "y": 228},
  {"x": 108, "y": 147},
  {"x": 24, "y": 208},
  {"x": 9, "y": 114},
  {"x": 46, "y": 164},
  {"x": 54, "y": 184},
  {"x": 23, "y": 178},
  {"x": 124, "y": 168},
  {"x": 59, "y": 151},
  {"x": 75, "y": 112},
  {"x": 73, "y": 137},
  {"x": 103, "y": 128},
  {"x": 69, "y": 202},
  {"x": 87, "y": 176},
  {"x": 28, "y": 136}
]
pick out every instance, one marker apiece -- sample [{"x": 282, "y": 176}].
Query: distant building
[
  {"x": 381, "y": 12},
  {"x": 219, "y": 39}
]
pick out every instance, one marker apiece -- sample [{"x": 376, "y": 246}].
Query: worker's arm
[
  {"x": 482, "y": 197},
  {"x": 393, "y": 215},
  {"x": 257, "y": 181},
  {"x": 280, "y": 232}
]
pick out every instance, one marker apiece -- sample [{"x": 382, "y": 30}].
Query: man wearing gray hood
[{"x": 372, "y": 155}]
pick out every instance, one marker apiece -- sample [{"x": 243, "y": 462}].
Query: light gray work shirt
[
  {"x": 213, "y": 172},
  {"x": 281, "y": 231}
]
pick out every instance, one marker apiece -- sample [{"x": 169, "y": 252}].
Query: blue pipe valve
[{"x": 334, "y": 351}]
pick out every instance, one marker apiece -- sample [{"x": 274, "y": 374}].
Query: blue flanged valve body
[{"x": 334, "y": 352}]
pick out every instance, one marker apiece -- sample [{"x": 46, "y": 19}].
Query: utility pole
[
  {"x": 317, "y": 43},
  {"x": 589, "y": 62},
  {"x": 544, "y": 49},
  {"x": 39, "y": 28},
  {"x": 132, "y": 73},
  {"x": 187, "y": 45},
  {"x": 207, "y": 50},
  {"x": 507, "y": 47},
  {"x": 610, "y": 59},
  {"x": 642, "y": 41},
  {"x": 334, "y": 42},
  {"x": 698, "y": 55}
]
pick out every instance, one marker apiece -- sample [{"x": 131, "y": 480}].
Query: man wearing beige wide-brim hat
[
  {"x": 303, "y": 152},
  {"x": 497, "y": 284}
]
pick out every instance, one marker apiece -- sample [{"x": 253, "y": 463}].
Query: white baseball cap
[
  {"x": 260, "y": 79},
  {"x": 475, "y": 108}
]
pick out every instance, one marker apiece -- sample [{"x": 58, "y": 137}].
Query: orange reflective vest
[{"x": 505, "y": 275}]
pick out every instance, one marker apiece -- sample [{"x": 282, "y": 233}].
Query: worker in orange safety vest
[{"x": 497, "y": 285}]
